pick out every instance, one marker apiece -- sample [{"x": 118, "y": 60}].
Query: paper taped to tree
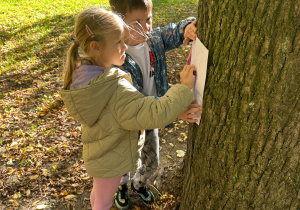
[{"x": 199, "y": 58}]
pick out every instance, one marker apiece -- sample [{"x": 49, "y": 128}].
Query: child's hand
[
  {"x": 191, "y": 112},
  {"x": 190, "y": 32},
  {"x": 187, "y": 76}
]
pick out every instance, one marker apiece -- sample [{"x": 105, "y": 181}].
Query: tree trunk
[{"x": 245, "y": 153}]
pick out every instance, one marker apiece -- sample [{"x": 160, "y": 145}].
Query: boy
[{"x": 146, "y": 62}]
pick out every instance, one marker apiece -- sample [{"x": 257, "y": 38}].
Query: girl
[{"x": 109, "y": 108}]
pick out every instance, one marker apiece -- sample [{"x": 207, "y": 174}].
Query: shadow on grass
[{"x": 42, "y": 56}]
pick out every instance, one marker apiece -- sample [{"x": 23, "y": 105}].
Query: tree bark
[{"x": 245, "y": 153}]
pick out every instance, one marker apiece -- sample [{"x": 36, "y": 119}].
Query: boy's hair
[
  {"x": 94, "y": 24},
  {"x": 124, "y": 6}
]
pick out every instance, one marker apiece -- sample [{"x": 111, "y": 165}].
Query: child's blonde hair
[{"x": 94, "y": 24}]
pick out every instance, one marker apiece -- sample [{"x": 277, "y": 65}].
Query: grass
[{"x": 32, "y": 30}]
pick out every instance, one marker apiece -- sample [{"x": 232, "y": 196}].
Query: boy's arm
[{"x": 172, "y": 35}]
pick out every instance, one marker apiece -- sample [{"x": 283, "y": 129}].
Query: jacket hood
[{"x": 86, "y": 103}]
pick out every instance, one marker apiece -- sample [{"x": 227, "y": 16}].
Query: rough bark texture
[{"x": 246, "y": 152}]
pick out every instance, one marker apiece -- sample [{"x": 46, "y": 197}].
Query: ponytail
[
  {"x": 94, "y": 24},
  {"x": 72, "y": 59}
]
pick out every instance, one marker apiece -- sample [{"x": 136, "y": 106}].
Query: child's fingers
[
  {"x": 193, "y": 26},
  {"x": 194, "y": 115},
  {"x": 191, "y": 67},
  {"x": 192, "y": 34},
  {"x": 195, "y": 108},
  {"x": 185, "y": 67},
  {"x": 191, "y": 120},
  {"x": 186, "y": 40}
]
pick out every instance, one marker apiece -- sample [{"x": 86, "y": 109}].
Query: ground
[
  {"x": 42, "y": 168},
  {"x": 40, "y": 149}
]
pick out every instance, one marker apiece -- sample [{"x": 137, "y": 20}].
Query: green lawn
[
  {"x": 31, "y": 32},
  {"x": 31, "y": 29}
]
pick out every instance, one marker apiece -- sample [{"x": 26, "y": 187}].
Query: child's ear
[{"x": 95, "y": 46}]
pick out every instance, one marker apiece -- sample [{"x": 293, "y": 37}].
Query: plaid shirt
[{"x": 163, "y": 39}]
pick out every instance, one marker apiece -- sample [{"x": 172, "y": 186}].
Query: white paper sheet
[{"x": 199, "y": 59}]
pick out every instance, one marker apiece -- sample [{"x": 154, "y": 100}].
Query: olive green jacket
[{"x": 112, "y": 112}]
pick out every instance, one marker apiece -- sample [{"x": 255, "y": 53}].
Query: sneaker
[
  {"x": 121, "y": 199},
  {"x": 145, "y": 194}
]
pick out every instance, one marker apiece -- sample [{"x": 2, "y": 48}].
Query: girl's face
[{"x": 113, "y": 51}]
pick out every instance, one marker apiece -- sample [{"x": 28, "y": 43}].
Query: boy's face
[{"x": 140, "y": 22}]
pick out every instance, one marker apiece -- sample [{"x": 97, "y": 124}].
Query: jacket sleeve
[
  {"x": 134, "y": 111},
  {"x": 172, "y": 35}
]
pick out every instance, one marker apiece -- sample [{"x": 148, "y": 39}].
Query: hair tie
[
  {"x": 89, "y": 31},
  {"x": 76, "y": 43}
]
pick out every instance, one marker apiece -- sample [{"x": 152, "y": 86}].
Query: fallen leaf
[
  {"x": 17, "y": 195},
  {"x": 63, "y": 192},
  {"x": 19, "y": 174},
  {"x": 180, "y": 153},
  {"x": 180, "y": 139},
  {"x": 46, "y": 172},
  {"x": 69, "y": 197},
  {"x": 11, "y": 170},
  {"x": 55, "y": 165},
  {"x": 172, "y": 145},
  {"x": 34, "y": 203},
  {"x": 80, "y": 191},
  {"x": 168, "y": 156},
  {"x": 28, "y": 192},
  {"x": 33, "y": 177},
  {"x": 15, "y": 203},
  {"x": 42, "y": 206},
  {"x": 10, "y": 162},
  {"x": 70, "y": 119}
]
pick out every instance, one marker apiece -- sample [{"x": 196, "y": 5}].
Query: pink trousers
[{"x": 103, "y": 192}]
